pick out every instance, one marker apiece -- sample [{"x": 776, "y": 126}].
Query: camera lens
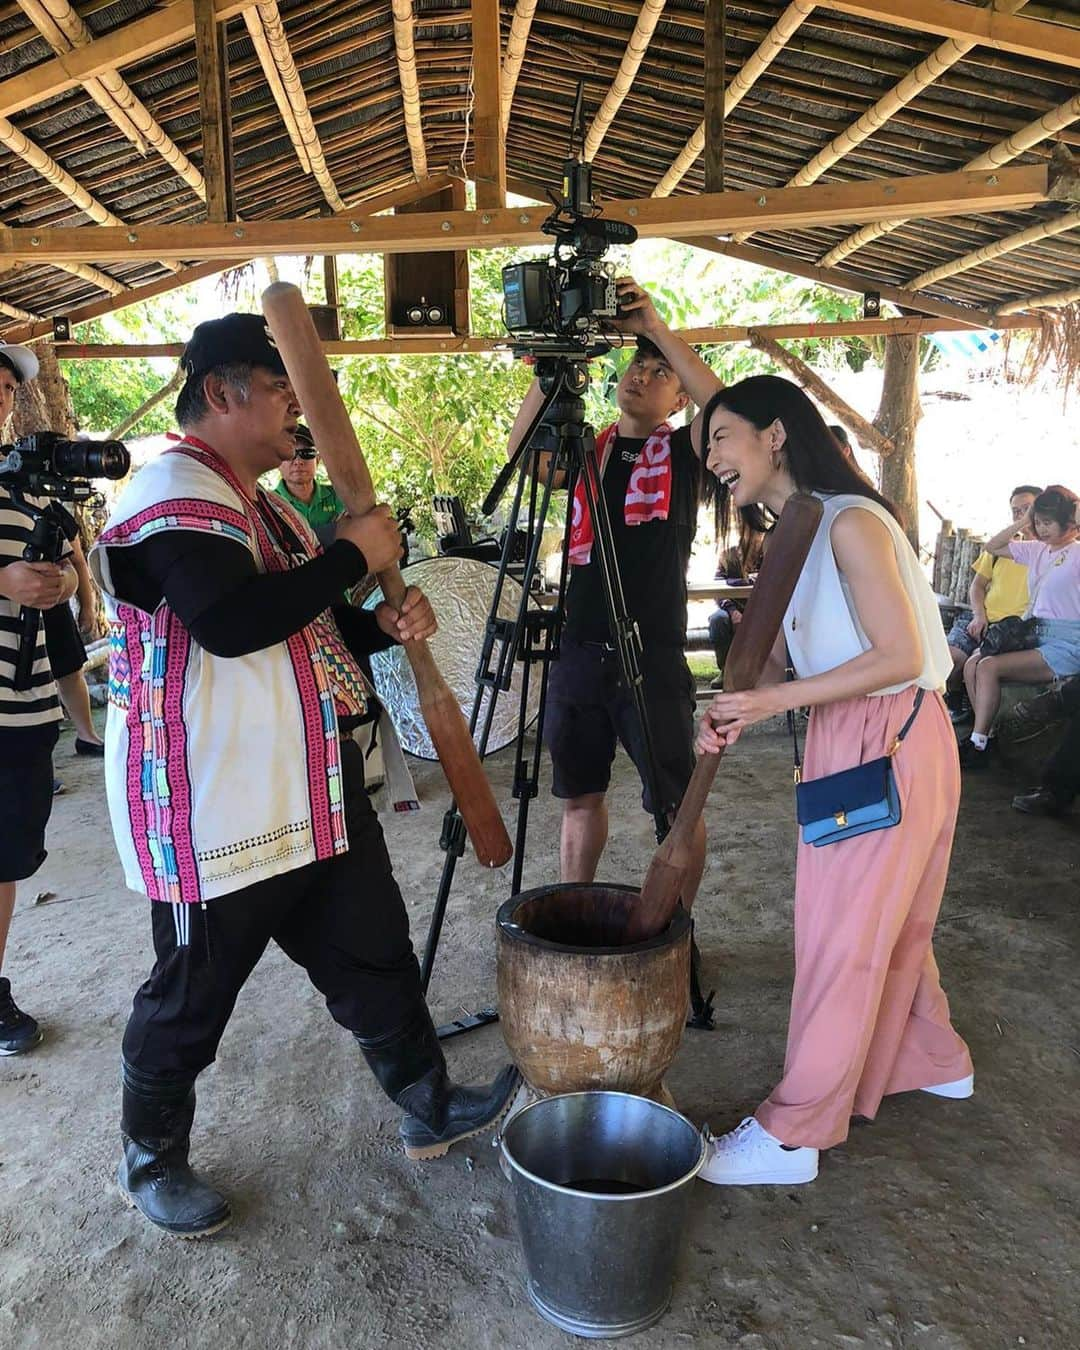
[{"x": 90, "y": 459}]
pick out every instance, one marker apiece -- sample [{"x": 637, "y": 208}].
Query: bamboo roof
[{"x": 334, "y": 103}]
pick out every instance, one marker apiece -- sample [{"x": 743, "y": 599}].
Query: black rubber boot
[
  {"x": 154, "y": 1175},
  {"x": 411, "y": 1069}
]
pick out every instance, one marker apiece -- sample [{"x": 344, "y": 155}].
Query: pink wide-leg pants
[{"x": 868, "y": 1014}]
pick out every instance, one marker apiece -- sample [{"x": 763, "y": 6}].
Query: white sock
[{"x": 978, "y": 740}]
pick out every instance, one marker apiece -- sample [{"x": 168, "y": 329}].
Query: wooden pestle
[
  {"x": 301, "y": 349},
  {"x": 788, "y": 545}
]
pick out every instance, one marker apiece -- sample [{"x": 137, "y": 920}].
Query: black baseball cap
[
  {"x": 305, "y": 442},
  {"x": 234, "y": 340}
]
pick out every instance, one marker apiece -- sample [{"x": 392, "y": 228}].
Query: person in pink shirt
[{"x": 1053, "y": 562}]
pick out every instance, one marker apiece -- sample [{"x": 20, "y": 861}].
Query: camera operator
[
  {"x": 28, "y": 717},
  {"x": 236, "y": 793},
  {"x": 650, "y": 476}
]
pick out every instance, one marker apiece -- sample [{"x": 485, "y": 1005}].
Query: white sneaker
[
  {"x": 961, "y": 1088},
  {"x": 750, "y": 1156}
]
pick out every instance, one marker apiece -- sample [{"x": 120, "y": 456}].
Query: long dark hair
[{"x": 814, "y": 458}]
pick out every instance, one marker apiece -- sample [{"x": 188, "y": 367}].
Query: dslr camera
[{"x": 48, "y": 465}]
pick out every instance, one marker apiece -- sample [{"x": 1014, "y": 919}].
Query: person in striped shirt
[{"x": 28, "y": 717}]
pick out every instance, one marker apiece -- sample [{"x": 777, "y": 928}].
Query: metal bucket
[{"x": 601, "y": 1184}]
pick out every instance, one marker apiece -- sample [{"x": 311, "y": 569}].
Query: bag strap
[{"x": 789, "y": 673}]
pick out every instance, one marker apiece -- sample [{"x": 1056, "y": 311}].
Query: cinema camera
[
  {"x": 566, "y": 304},
  {"x": 48, "y": 465}
]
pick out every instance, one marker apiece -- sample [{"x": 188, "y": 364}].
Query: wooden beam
[
  {"x": 31, "y": 332},
  {"x": 1010, "y": 148},
  {"x": 431, "y": 345},
  {"x": 715, "y": 80},
  {"x": 632, "y": 58},
  {"x": 847, "y": 281},
  {"x": 211, "y": 111},
  {"x": 66, "y": 33},
  {"x": 123, "y": 46},
  {"x": 868, "y": 436},
  {"x": 514, "y": 57},
  {"x": 267, "y": 32},
  {"x": 989, "y": 252},
  {"x": 490, "y": 153},
  {"x": 987, "y": 27},
  {"x": 773, "y": 43},
  {"x": 674, "y": 217},
  {"x": 914, "y": 83},
  {"x": 404, "y": 26},
  {"x": 1049, "y": 300}
]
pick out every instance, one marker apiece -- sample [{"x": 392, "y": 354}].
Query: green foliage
[{"x": 439, "y": 424}]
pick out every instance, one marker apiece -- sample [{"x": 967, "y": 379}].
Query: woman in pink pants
[{"x": 868, "y": 1015}]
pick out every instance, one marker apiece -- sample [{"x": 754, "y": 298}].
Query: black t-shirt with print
[{"x": 652, "y": 557}]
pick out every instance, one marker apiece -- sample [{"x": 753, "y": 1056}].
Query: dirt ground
[{"x": 943, "y": 1225}]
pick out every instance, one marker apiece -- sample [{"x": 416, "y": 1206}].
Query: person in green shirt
[{"x": 316, "y": 501}]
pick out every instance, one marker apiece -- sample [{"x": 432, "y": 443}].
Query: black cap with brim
[{"x": 237, "y": 339}]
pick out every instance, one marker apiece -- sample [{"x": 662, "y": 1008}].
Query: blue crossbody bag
[{"x": 853, "y": 801}]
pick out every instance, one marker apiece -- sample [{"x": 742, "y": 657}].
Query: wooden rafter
[
  {"x": 980, "y": 256},
  {"x": 490, "y": 154},
  {"x": 42, "y": 328},
  {"x": 514, "y": 57},
  {"x": 211, "y": 59},
  {"x": 275, "y": 56},
  {"x": 1032, "y": 38},
  {"x": 940, "y": 60},
  {"x": 404, "y": 25},
  {"x": 1051, "y": 300},
  {"x": 122, "y": 46},
  {"x": 65, "y": 32},
  {"x": 632, "y": 58},
  {"x": 1005, "y": 150},
  {"x": 13, "y": 312},
  {"x": 846, "y": 281},
  {"x": 675, "y": 217},
  {"x": 753, "y": 68},
  {"x": 478, "y": 346},
  {"x": 59, "y": 178}
]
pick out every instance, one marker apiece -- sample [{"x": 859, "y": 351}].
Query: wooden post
[
  {"x": 715, "y": 84},
  {"x": 208, "y": 54},
  {"x": 490, "y": 157},
  {"x": 868, "y": 436},
  {"x": 897, "y": 418}
]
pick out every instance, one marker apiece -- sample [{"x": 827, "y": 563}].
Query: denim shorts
[
  {"x": 958, "y": 635},
  {"x": 1059, "y": 646}
]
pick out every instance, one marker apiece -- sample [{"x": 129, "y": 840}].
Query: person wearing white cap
[{"x": 28, "y": 716}]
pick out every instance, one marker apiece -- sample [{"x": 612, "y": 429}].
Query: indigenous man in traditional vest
[
  {"x": 236, "y": 794},
  {"x": 650, "y": 475}
]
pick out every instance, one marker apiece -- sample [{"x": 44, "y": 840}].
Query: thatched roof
[{"x": 834, "y": 69}]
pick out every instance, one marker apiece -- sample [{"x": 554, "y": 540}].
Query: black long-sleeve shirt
[{"x": 232, "y": 609}]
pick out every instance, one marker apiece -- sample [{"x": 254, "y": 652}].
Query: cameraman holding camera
[
  {"x": 650, "y": 476},
  {"x": 28, "y": 717}
]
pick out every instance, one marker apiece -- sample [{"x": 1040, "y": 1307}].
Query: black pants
[
  {"x": 1061, "y": 773},
  {"x": 343, "y": 920}
]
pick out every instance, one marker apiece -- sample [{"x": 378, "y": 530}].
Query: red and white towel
[{"x": 648, "y": 493}]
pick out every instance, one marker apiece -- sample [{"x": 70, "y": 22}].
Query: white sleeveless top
[{"x": 821, "y": 626}]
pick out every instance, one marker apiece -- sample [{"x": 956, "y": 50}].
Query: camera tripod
[{"x": 560, "y": 433}]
